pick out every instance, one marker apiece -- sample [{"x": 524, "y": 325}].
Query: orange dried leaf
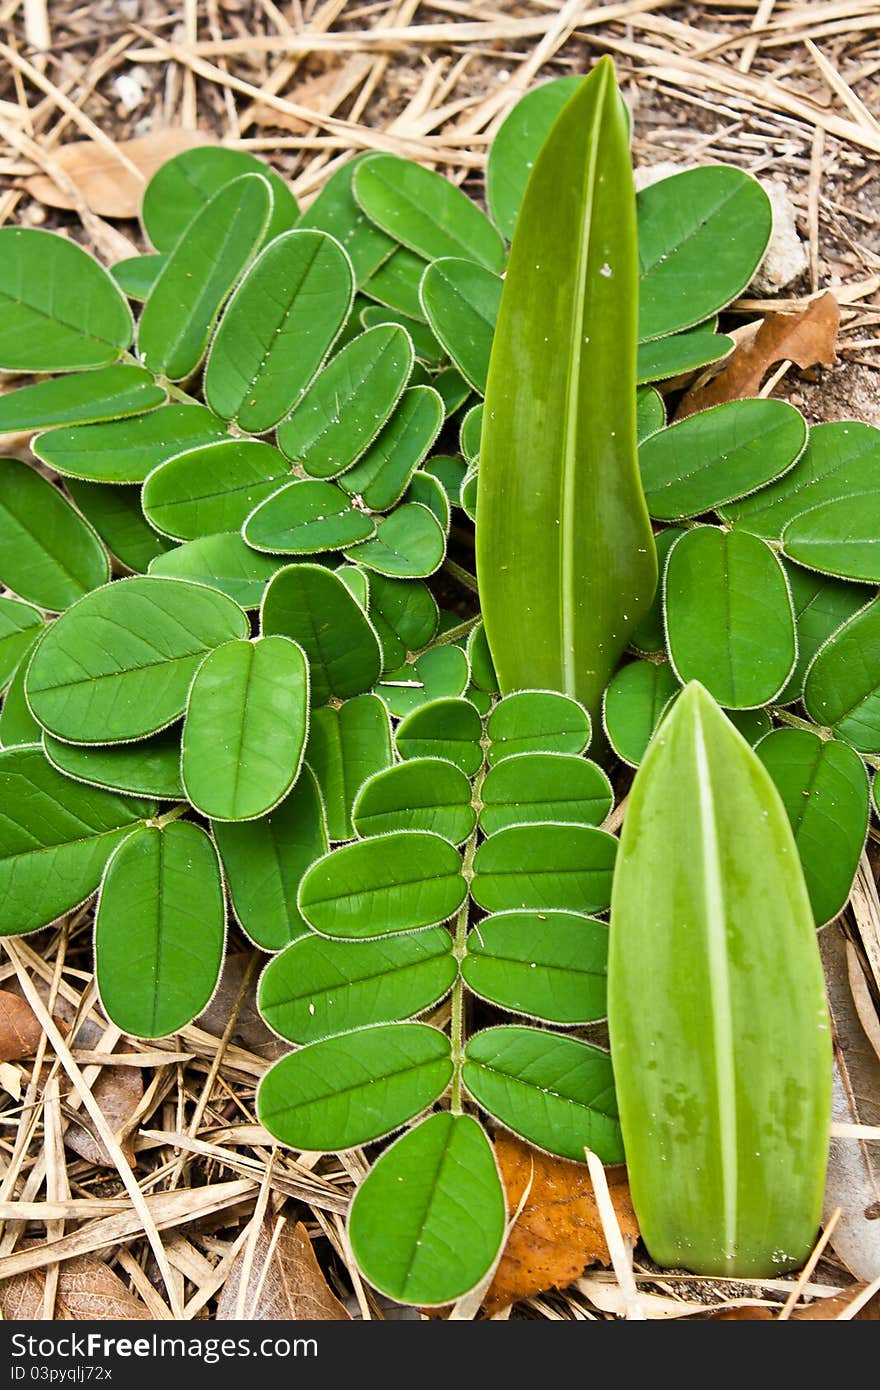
[
  {"x": 20, "y": 1031},
  {"x": 559, "y": 1230},
  {"x": 106, "y": 186},
  {"x": 88, "y": 1291}
]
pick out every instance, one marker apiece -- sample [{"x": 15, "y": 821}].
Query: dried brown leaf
[
  {"x": 118, "y": 1091},
  {"x": 88, "y": 1290},
  {"x": 319, "y": 92},
  {"x": 559, "y": 1231},
  {"x": 20, "y": 1031},
  {"x": 105, "y": 185},
  {"x": 292, "y": 1287},
  {"x": 806, "y": 338},
  {"x": 827, "y": 1309},
  {"x": 250, "y": 1030}
]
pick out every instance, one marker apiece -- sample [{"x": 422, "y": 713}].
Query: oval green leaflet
[
  {"x": 278, "y": 328},
  {"x": 179, "y": 190},
  {"x": 335, "y": 211},
  {"x": 842, "y": 685},
  {"x": 224, "y": 561},
  {"x": 318, "y": 988},
  {"x": 347, "y": 745},
  {"x": 544, "y": 866},
  {"x": 79, "y": 398},
  {"x": 650, "y": 636},
  {"x": 548, "y": 965},
  {"x": 49, "y": 555},
  {"x": 450, "y": 729},
  {"x": 312, "y": 606},
  {"x": 136, "y": 275},
  {"x": 437, "y": 674},
  {"x": 840, "y": 538},
  {"x": 118, "y": 664},
  {"x": 20, "y": 625},
  {"x": 160, "y": 929},
  {"x": 59, "y": 309},
  {"x": 306, "y": 517},
  {"x": 409, "y": 543},
  {"x": 126, "y": 451},
  {"x": 381, "y": 475},
  {"x": 212, "y": 488},
  {"x": 824, "y": 789},
  {"x": 729, "y": 616},
  {"x": 530, "y": 787},
  {"x": 117, "y": 516},
  {"x": 564, "y": 555},
  {"x": 515, "y": 148},
  {"x": 662, "y": 358},
  {"x": 341, "y": 1092},
  {"x": 55, "y": 839},
  {"x": 537, "y": 721},
  {"x": 421, "y": 794},
  {"x": 555, "y": 1092},
  {"x": 716, "y": 1006},
  {"x": 17, "y": 724},
  {"x": 396, "y": 282},
  {"x": 460, "y": 300},
  {"x": 428, "y": 1222},
  {"x": 150, "y": 767},
  {"x": 247, "y": 717},
  {"x": 405, "y": 615},
  {"x": 821, "y": 606},
  {"x": 635, "y": 701}
]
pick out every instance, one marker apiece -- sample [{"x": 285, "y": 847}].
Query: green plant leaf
[
  {"x": 482, "y": 669},
  {"x": 80, "y": 397},
  {"x": 115, "y": 513},
  {"x": 516, "y": 146},
  {"x": 341, "y": 1092},
  {"x": 663, "y": 358},
  {"x": 150, "y": 767},
  {"x": 468, "y": 495},
  {"x": 449, "y": 729},
  {"x": 278, "y": 328},
  {"x": 49, "y": 555},
  {"x": 428, "y": 1222},
  {"x": 55, "y": 838},
  {"x": 313, "y": 606},
  {"x": 753, "y": 724},
  {"x": 650, "y": 636},
  {"x": 440, "y": 673},
  {"x": 702, "y": 234},
  {"x": 706, "y": 459},
  {"x": 20, "y": 625},
  {"x": 427, "y": 492},
  {"x": 471, "y": 431},
  {"x": 425, "y": 212},
  {"x": 118, "y": 664},
  {"x": 264, "y": 860},
  {"x": 348, "y": 403},
  {"x": 409, "y": 544},
  {"x": 137, "y": 275},
  {"x": 821, "y": 606},
  {"x": 716, "y": 1008},
  {"x": 335, "y": 211},
  {"x": 402, "y": 881},
  {"x": 427, "y": 350},
  {"x": 126, "y": 451},
  {"x": 160, "y": 929},
  {"x": 650, "y": 412},
  {"x": 841, "y": 459},
  {"x": 306, "y": 517},
  {"x": 17, "y": 724},
  {"x": 182, "y": 308},
  {"x": 212, "y": 488},
  {"x": 824, "y": 789},
  {"x": 555, "y": 1092},
  {"x": 537, "y": 721},
  {"x": 635, "y": 702},
  {"x": 461, "y": 300},
  {"x": 729, "y": 616},
  {"x": 421, "y": 794},
  {"x": 564, "y": 556},
  {"x": 225, "y": 562},
  {"x": 59, "y": 309},
  {"x": 839, "y": 538},
  {"x": 404, "y": 614},
  {"x": 381, "y": 476},
  {"x": 347, "y": 745},
  {"x": 538, "y": 787},
  {"x": 244, "y": 735},
  {"x": 842, "y": 685},
  {"x": 450, "y": 474},
  {"x": 395, "y": 284},
  {"x": 179, "y": 190},
  {"x": 549, "y": 965},
  {"x": 545, "y": 866},
  {"x": 318, "y": 988}
]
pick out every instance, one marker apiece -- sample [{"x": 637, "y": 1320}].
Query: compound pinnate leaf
[
  {"x": 410, "y": 543},
  {"x": 545, "y": 866},
  {"x": 55, "y": 839},
  {"x": 318, "y": 988},
  {"x": 224, "y": 561},
  {"x": 212, "y": 488},
  {"x": 840, "y": 538},
  {"x": 428, "y": 1222},
  {"x": 59, "y": 309},
  {"x": 516, "y": 145},
  {"x": 702, "y": 234},
  {"x": 116, "y": 514},
  {"x": 705, "y": 460},
  {"x": 20, "y": 625},
  {"x": 347, "y": 745},
  {"x": 461, "y": 300},
  {"x": 537, "y": 721},
  {"x": 341, "y": 1092},
  {"x": 118, "y": 664},
  {"x": 307, "y": 517},
  {"x": 150, "y": 767},
  {"x": 842, "y": 686},
  {"x": 49, "y": 554},
  {"x": 335, "y": 211},
  {"x": 160, "y": 929},
  {"x": 126, "y": 451},
  {"x": 541, "y": 787},
  {"x": 450, "y": 729},
  {"x": 182, "y": 308},
  {"x": 381, "y": 476},
  {"x": 79, "y": 398},
  {"x": 312, "y": 605},
  {"x": 405, "y": 615},
  {"x": 183, "y": 185},
  {"x": 549, "y": 965},
  {"x": 556, "y": 1092},
  {"x": 729, "y": 616},
  {"x": 346, "y": 406},
  {"x": 422, "y": 794},
  {"x": 425, "y": 212},
  {"x": 716, "y": 1007},
  {"x": 402, "y": 881},
  {"x": 635, "y": 702},
  {"x": 821, "y": 606},
  {"x": 278, "y": 328},
  {"x": 264, "y": 860},
  {"x": 245, "y": 730},
  {"x": 824, "y": 789},
  {"x": 663, "y": 358}
]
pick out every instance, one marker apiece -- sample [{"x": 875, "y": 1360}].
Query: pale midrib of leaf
[
  {"x": 401, "y": 195},
  {"x": 379, "y": 973},
  {"x": 590, "y": 1107},
  {"x": 54, "y": 318},
  {"x": 706, "y": 214},
  {"x": 715, "y": 924},
  {"x": 430, "y": 1191},
  {"x": 335, "y": 1092},
  {"x": 75, "y": 517}
]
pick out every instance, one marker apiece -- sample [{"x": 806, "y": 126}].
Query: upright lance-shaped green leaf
[
  {"x": 716, "y": 1007},
  {"x": 565, "y": 557}
]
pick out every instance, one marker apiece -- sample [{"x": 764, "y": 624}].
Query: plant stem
[
  {"x": 174, "y": 814},
  {"x": 796, "y": 722},
  {"x": 461, "y": 574},
  {"x": 459, "y": 950},
  {"x": 452, "y": 634}
]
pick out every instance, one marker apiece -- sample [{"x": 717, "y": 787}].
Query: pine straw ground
[{"x": 135, "y": 1179}]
